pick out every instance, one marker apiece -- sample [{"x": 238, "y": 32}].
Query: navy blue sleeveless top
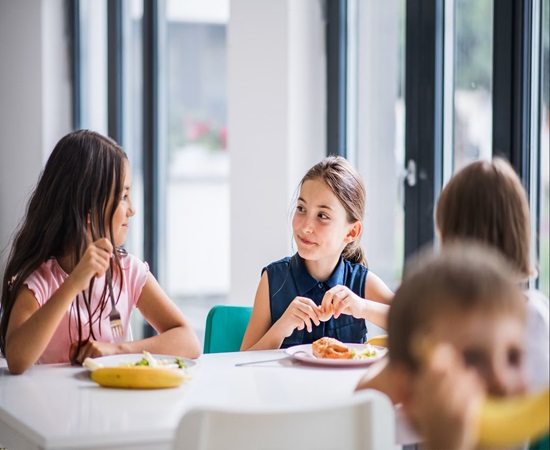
[{"x": 289, "y": 278}]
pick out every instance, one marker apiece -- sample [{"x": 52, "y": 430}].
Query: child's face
[
  {"x": 320, "y": 225},
  {"x": 492, "y": 345},
  {"x": 124, "y": 209}
]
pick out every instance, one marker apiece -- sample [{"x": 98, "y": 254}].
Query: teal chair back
[{"x": 225, "y": 327}]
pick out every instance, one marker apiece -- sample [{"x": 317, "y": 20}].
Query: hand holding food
[
  {"x": 342, "y": 300},
  {"x": 301, "y": 313},
  {"x": 449, "y": 398},
  {"x": 325, "y": 316}
]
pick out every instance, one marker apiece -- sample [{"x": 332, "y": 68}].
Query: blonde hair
[
  {"x": 486, "y": 201},
  {"x": 347, "y": 185},
  {"x": 466, "y": 278}
]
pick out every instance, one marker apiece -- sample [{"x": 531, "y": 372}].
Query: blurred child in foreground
[{"x": 456, "y": 332}]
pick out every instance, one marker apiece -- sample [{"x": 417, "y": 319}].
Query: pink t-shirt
[{"x": 45, "y": 281}]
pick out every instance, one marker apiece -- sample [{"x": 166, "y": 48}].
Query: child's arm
[
  {"x": 262, "y": 335},
  {"x": 31, "y": 327},
  {"x": 377, "y": 290},
  {"x": 175, "y": 334}
]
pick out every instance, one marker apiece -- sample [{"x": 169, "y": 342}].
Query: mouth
[{"x": 305, "y": 241}]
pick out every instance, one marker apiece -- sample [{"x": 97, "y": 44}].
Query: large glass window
[
  {"x": 195, "y": 248},
  {"x": 376, "y": 51},
  {"x": 473, "y": 74},
  {"x": 93, "y": 65}
]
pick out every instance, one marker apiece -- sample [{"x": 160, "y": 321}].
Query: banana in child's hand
[{"x": 512, "y": 421}]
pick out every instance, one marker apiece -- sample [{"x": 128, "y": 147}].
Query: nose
[
  {"x": 307, "y": 225},
  {"x": 131, "y": 210},
  {"x": 496, "y": 383}
]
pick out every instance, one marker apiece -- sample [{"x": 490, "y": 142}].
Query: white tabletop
[{"x": 59, "y": 407}]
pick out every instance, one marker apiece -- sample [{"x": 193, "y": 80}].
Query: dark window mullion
[
  {"x": 151, "y": 164},
  {"x": 511, "y": 83},
  {"x": 336, "y": 11},
  {"x": 74, "y": 21},
  {"x": 424, "y": 117},
  {"x": 114, "y": 71}
]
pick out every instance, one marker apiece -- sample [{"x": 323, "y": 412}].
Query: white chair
[{"x": 364, "y": 421}]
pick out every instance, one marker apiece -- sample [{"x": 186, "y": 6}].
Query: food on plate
[
  {"x": 514, "y": 420},
  {"x": 138, "y": 377},
  {"x": 332, "y": 348},
  {"x": 148, "y": 360},
  {"x": 326, "y": 316},
  {"x": 327, "y": 347}
]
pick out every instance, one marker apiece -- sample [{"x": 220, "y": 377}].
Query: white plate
[
  {"x": 304, "y": 353},
  {"x": 118, "y": 360}
]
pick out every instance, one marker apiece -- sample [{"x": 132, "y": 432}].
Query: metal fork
[{"x": 117, "y": 330}]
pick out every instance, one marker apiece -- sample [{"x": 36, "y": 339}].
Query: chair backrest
[
  {"x": 225, "y": 327},
  {"x": 363, "y": 421}
]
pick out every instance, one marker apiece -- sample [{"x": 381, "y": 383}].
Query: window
[
  {"x": 473, "y": 78},
  {"x": 376, "y": 119},
  {"x": 197, "y": 161}
]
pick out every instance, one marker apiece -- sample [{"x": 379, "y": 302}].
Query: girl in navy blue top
[{"x": 325, "y": 289}]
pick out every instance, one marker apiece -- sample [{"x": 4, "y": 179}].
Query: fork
[{"x": 117, "y": 330}]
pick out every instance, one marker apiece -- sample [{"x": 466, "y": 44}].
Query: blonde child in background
[
  {"x": 456, "y": 332},
  {"x": 486, "y": 202},
  {"x": 55, "y": 300},
  {"x": 325, "y": 289}
]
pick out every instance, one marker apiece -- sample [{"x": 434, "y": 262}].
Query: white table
[{"x": 59, "y": 407}]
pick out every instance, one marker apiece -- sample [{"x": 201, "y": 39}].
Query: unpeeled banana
[
  {"x": 513, "y": 421},
  {"x": 138, "y": 377}
]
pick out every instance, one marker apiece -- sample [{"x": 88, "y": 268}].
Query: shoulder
[
  {"x": 45, "y": 279},
  {"x": 281, "y": 264},
  {"x": 134, "y": 268},
  {"x": 355, "y": 269},
  {"x": 132, "y": 262}
]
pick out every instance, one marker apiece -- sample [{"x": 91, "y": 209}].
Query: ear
[{"x": 354, "y": 232}]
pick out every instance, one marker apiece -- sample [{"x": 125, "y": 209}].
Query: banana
[
  {"x": 380, "y": 340},
  {"x": 513, "y": 421},
  {"x": 138, "y": 377}
]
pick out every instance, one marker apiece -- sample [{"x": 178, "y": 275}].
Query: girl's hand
[
  {"x": 94, "y": 262},
  {"x": 299, "y": 315},
  {"x": 92, "y": 349},
  {"x": 344, "y": 301}
]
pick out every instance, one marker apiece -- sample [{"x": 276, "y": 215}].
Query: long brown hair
[
  {"x": 486, "y": 201},
  {"x": 347, "y": 185},
  {"x": 80, "y": 176}
]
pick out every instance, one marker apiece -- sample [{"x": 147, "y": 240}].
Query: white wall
[
  {"x": 34, "y": 100},
  {"x": 276, "y": 98}
]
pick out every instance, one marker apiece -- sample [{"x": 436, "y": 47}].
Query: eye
[
  {"x": 300, "y": 208},
  {"x": 323, "y": 216}
]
